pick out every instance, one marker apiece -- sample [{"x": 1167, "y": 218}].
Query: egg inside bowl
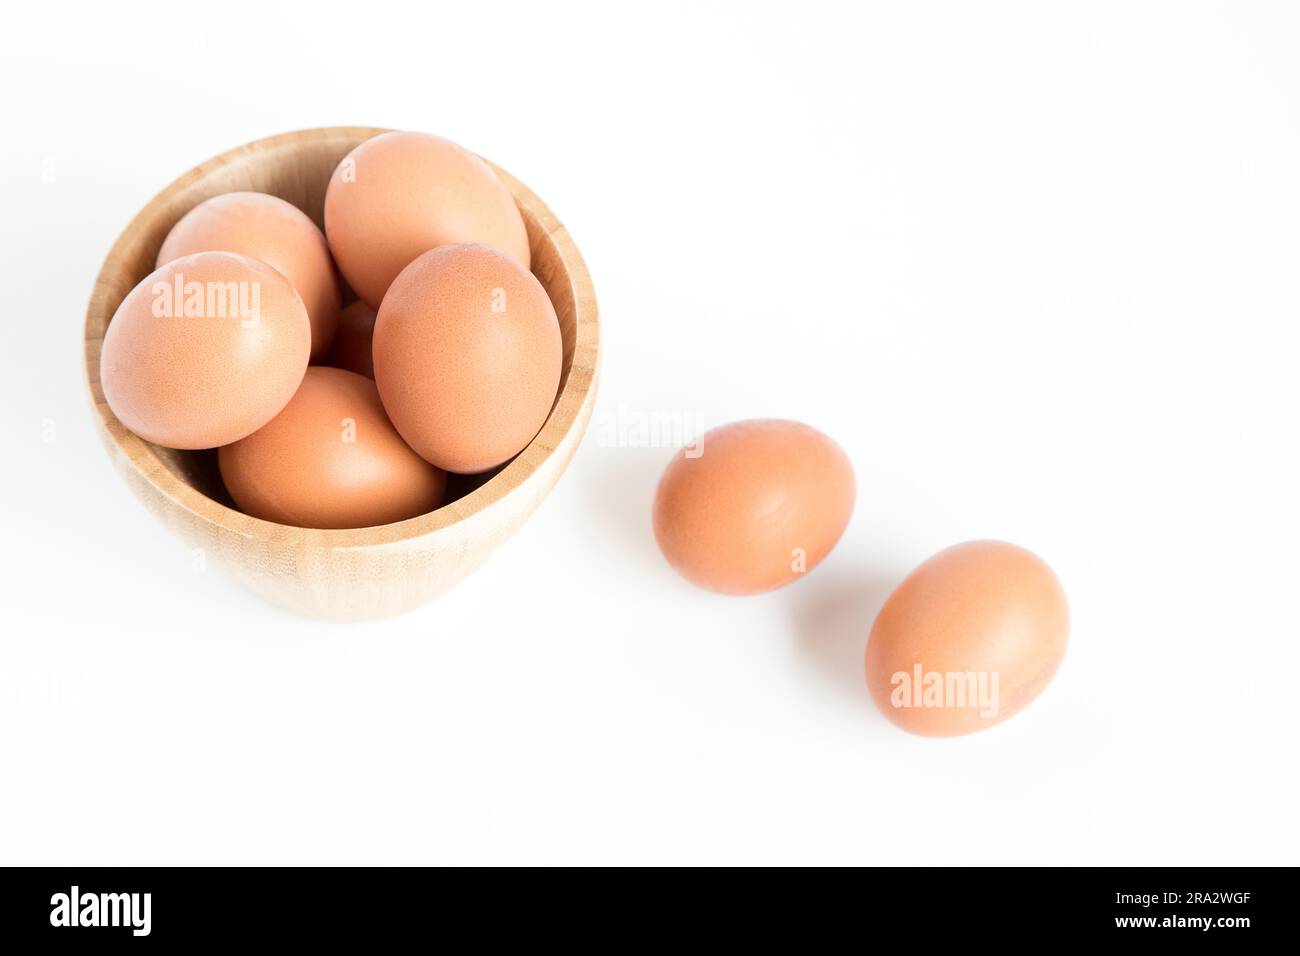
[{"x": 361, "y": 573}]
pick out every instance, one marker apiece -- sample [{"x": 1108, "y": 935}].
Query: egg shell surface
[
  {"x": 330, "y": 459},
  {"x": 400, "y": 194},
  {"x": 468, "y": 356},
  {"x": 204, "y": 351},
  {"x": 753, "y": 505},
  {"x": 274, "y": 231},
  {"x": 967, "y": 640},
  {"x": 354, "y": 341}
]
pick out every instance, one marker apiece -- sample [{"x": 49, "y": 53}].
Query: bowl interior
[{"x": 296, "y": 167}]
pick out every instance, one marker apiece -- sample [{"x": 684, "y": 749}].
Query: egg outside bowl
[{"x": 364, "y": 573}]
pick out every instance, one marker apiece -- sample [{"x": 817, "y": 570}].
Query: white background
[{"x": 1033, "y": 265}]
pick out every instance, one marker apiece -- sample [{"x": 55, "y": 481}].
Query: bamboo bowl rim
[{"x": 566, "y": 414}]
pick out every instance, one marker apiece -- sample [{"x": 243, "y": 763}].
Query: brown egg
[
  {"x": 753, "y": 505},
  {"x": 274, "y": 231},
  {"x": 331, "y": 459},
  {"x": 353, "y": 341},
  {"x": 467, "y": 356},
  {"x": 204, "y": 351},
  {"x": 968, "y": 639},
  {"x": 401, "y": 194}
]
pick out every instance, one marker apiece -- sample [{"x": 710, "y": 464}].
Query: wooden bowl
[{"x": 368, "y": 572}]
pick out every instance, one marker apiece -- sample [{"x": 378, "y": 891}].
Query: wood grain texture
[{"x": 368, "y": 572}]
